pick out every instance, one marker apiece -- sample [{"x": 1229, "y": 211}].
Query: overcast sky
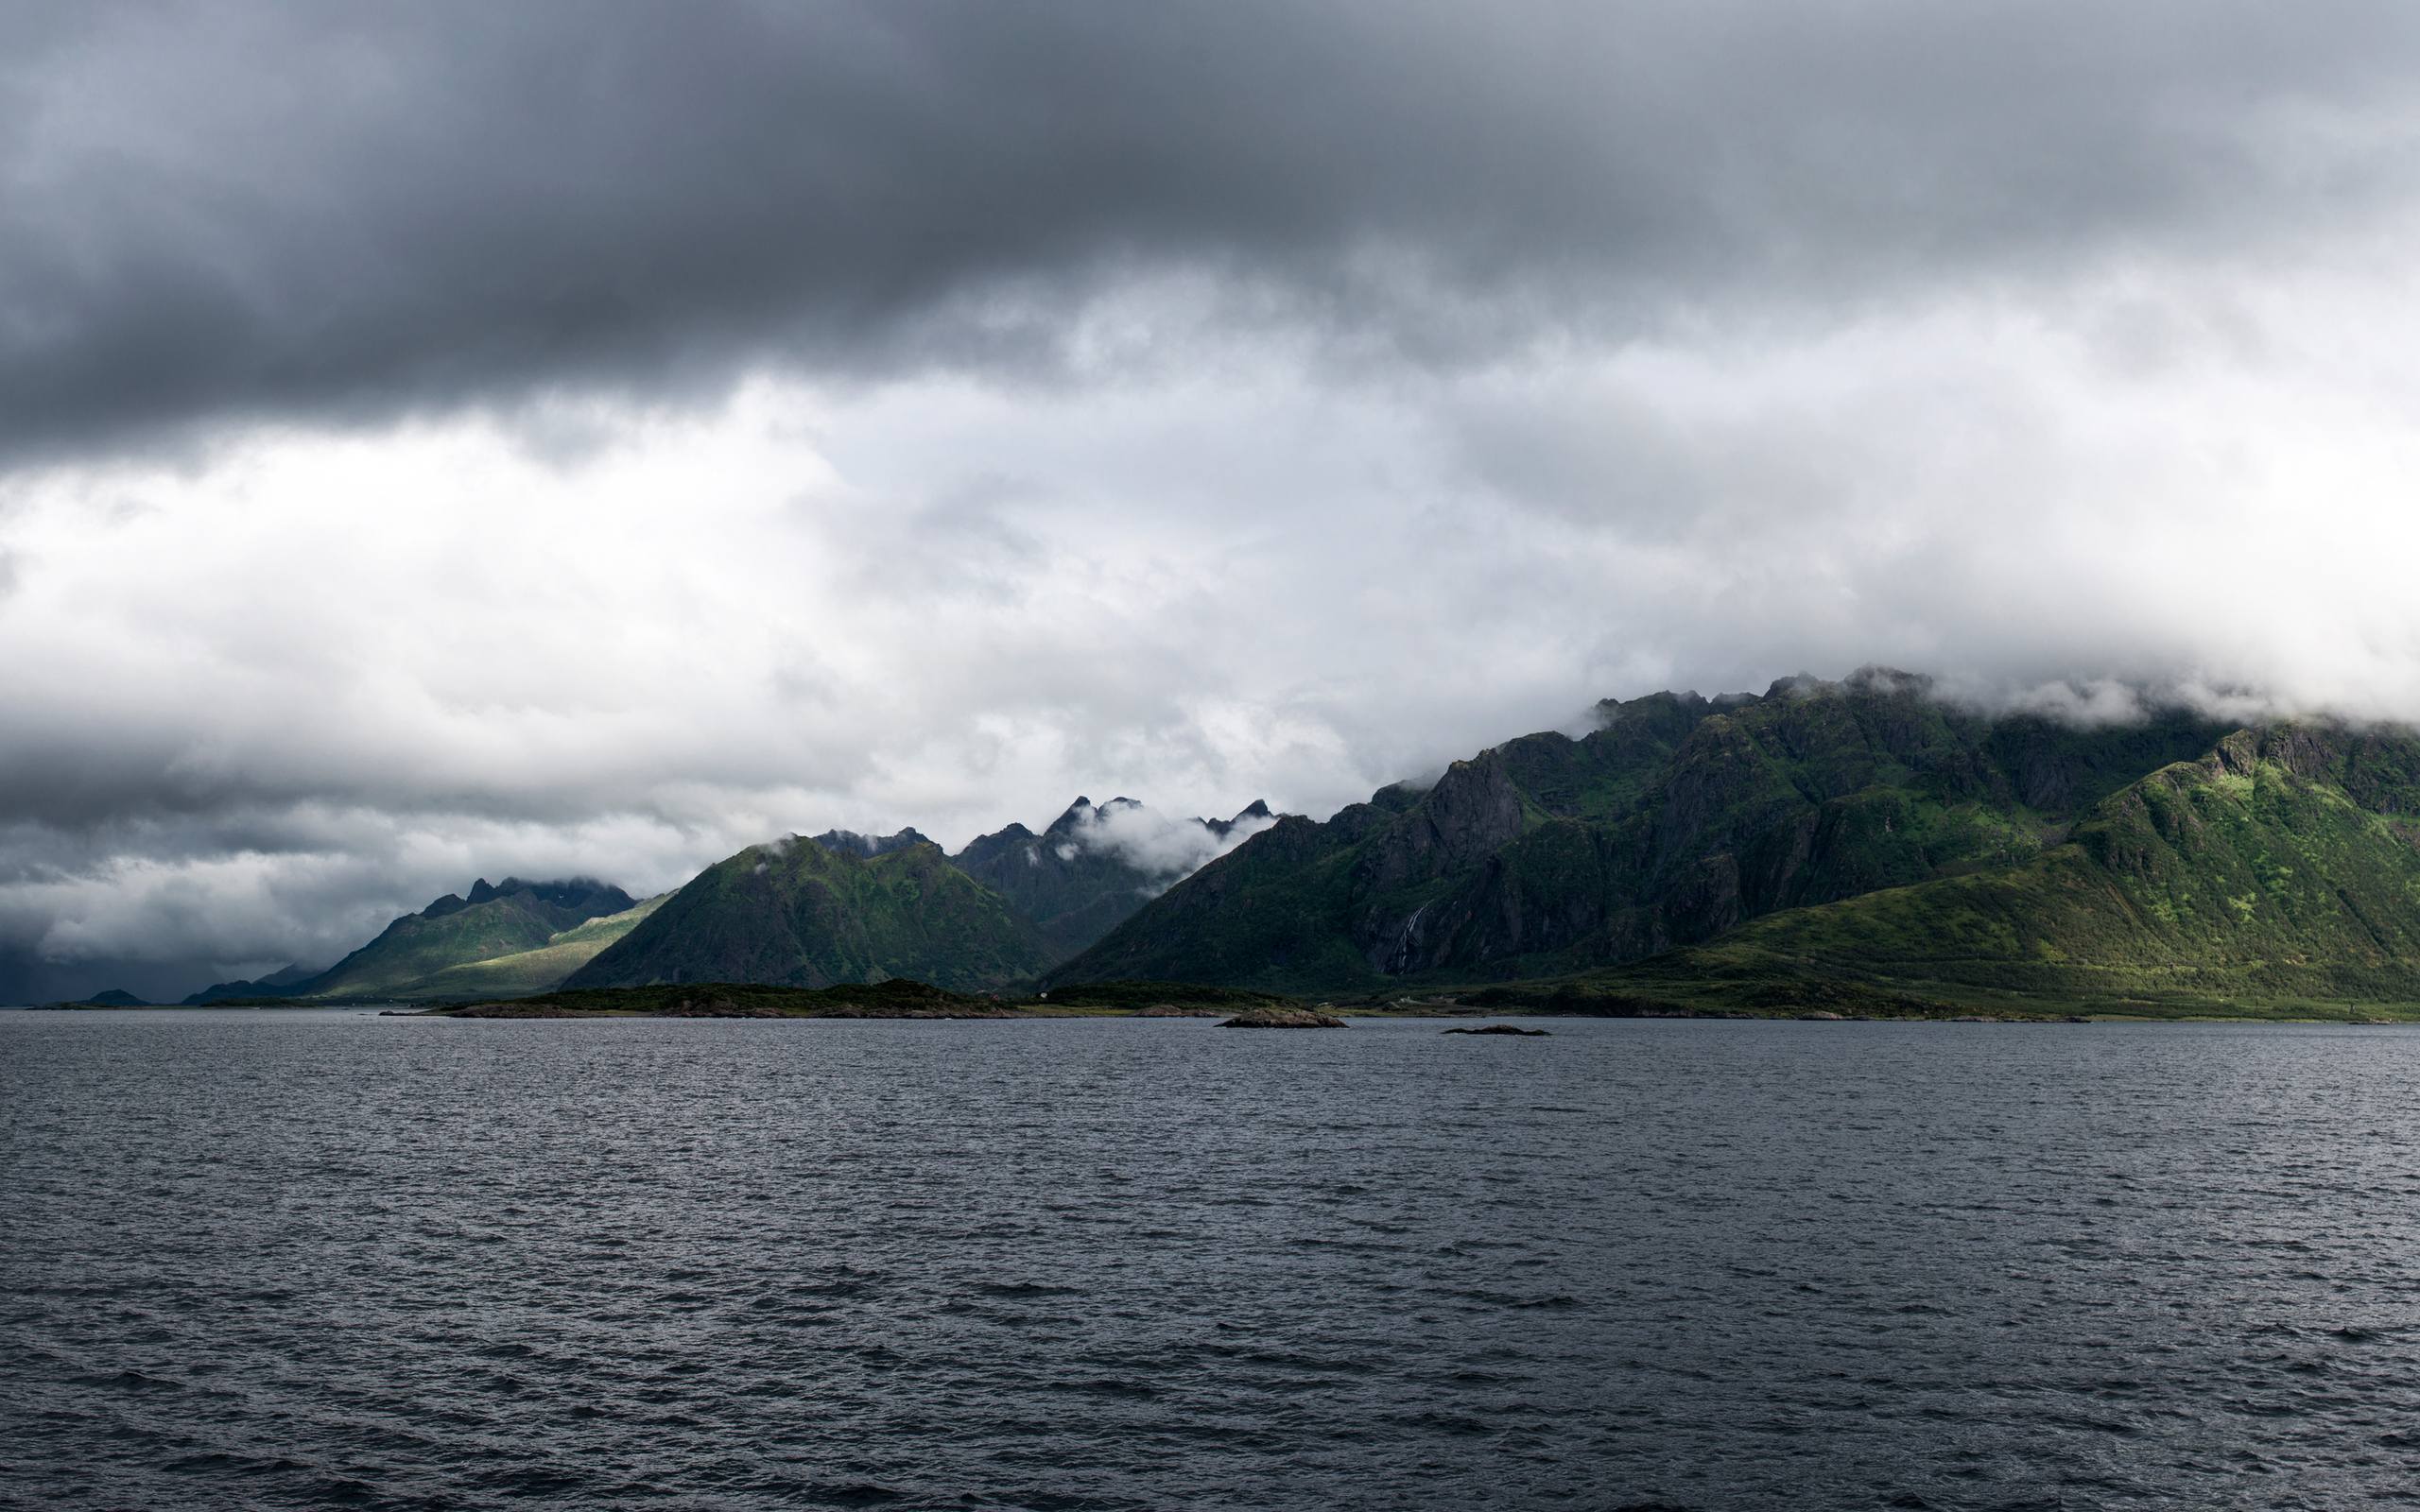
[{"x": 452, "y": 439}]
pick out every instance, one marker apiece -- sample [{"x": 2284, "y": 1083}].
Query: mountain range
[
  {"x": 839, "y": 907},
  {"x": 1847, "y": 840},
  {"x": 849, "y": 907},
  {"x": 511, "y": 936},
  {"x": 1838, "y": 843},
  {"x": 1675, "y": 819}
]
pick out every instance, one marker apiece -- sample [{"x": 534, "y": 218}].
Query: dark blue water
[{"x": 312, "y": 1259}]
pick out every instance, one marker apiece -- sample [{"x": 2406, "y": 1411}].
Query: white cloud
[{"x": 1155, "y": 843}]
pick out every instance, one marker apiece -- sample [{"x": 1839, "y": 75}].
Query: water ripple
[{"x": 318, "y": 1258}]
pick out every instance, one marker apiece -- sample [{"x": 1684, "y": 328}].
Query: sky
[{"x": 585, "y": 436}]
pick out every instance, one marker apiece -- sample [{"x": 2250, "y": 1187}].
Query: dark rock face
[
  {"x": 1504, "y": 1028},
  {"x": 575, "y": 898},
  {"x": 871, "y": 845},
  {"x": 1073, "y": 891},
  {"x": 1283, "y": 1019},
  {"x": 1472, "y": 809},
  {"x": 1257, "y": 809},
  {"x": 1072, "y": 885}
]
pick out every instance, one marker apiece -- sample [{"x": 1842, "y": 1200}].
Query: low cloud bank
[{"x": 1169, "y": 849}]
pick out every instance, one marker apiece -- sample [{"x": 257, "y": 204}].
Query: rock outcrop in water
[{"x": 1502, "y": 1028}]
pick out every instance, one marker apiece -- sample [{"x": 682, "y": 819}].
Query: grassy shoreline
[{"x": 1811, "y": 998}]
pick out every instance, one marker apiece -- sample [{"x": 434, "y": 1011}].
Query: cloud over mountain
[{"x": 1156, "y": 844}]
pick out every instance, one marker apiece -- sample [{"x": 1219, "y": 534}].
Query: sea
[{"x": 326, "y": 1259}]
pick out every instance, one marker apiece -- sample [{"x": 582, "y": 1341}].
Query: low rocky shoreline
[
  {"x": 1283, "y": 1019},
  {"x": 713, "y": 1007}
]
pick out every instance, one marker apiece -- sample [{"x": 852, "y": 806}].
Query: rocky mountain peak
[{"x": 851, "y": 842}]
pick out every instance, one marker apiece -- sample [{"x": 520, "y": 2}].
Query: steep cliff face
[
  {"x": 1677, "y": 820},
  {"x": 1474, "y": 809}
]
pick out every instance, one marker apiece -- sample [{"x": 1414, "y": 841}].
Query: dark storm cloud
[{"x": 216, "y": 211}]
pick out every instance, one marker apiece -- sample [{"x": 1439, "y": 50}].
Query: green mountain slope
[
  {"x": 538, "y": 970},
  {"x": 794, "y": 914},
  {"x": 504, "y": 919},
  {"x": 2281, "y": 868},
  {"x": 1677, "y": 820}
]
